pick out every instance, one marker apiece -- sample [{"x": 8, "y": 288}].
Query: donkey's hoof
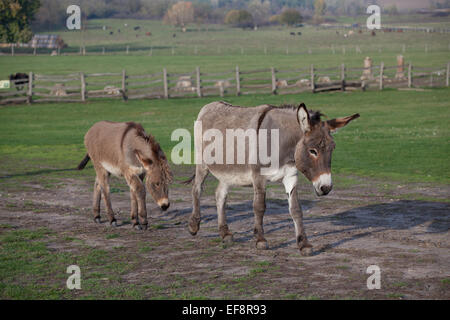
[
  {"x": 193, "y": 229},
  {"x": 137, "y": 227},
  {"x": 228, "y": 238},
  {"x": 262, "y": 245},
  {"x": 113, "y": 223},
  {"x": 97, "y": 220},
  {"x": 306, "y": 251},
  {"x": 144, "y": 226}
]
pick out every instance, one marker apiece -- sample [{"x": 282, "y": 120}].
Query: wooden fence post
[
  {"x": 313, "y": 86},
  {"x": 30, "y": 88},
  {"x": 166, "y": 87},
  {"x": 274, "y": 81},
  {"x": 238, "y": 81},
  {"x": 221, "y": 89},
  {"x": 12, "y": 49},
  {"x": 343, "y": 77},
  {"x": 199, "y": 88},
  {"x": 34, "y": 51},
  {"x": 381, "y": 76},
  {"x": 448, "y": 74},
  {"x": 128, "y": 49},
  {"x": 409, "y": 75},
  {"x": 83, "y": 87},
  {"x": 103, "y": 51},
  {"x": 124, "y": 84}
]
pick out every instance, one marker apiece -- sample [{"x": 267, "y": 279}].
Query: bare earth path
[{"x": 351, "y": 229}]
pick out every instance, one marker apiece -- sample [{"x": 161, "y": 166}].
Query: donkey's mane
[{"x": 154, "y": 145}]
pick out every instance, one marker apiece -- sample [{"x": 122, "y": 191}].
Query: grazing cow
[
  {"x": 19, "y": 80},
  {"x": 373, "y": 33},
  {"x": 125, "y": 149},
  {"x": 292, "y": 33},
  {"x": 174, "y": 35},
  {"x": 111, "y": 33},
  {"x": 299, "y": 33},
  {"x": 148, "y": 34},
  {"x": 303, "y": 141},
  {"x": 118, "y": 30},
  {"x": 137, "y": 28}
]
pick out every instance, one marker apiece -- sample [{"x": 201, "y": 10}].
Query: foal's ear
[
  {"x": 337, "y": 123},
  {"x": 303, "y": 118},
  {"x": 145, "y": 162}
]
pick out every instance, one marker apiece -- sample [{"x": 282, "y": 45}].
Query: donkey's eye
[{"x": 313, "y": 152}]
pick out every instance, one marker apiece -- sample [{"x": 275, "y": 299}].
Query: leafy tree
[
  {"x": 319, "y": 11},
  {"x": 180, "y": 14},
  {"x": 290, "y": 17},
  {"x": 16, "y": 16},
  {"x": 260, "y": 11},
  {"x": 239, "y": 18}
]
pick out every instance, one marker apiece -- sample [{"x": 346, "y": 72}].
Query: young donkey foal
[
  {"x": 124, "y": 149},
  {"x": 304, "y": 143}
]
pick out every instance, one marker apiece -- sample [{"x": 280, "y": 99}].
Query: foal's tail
[
  {"x": 84, "y": 162},
  {"x": 188, "y": 181}
]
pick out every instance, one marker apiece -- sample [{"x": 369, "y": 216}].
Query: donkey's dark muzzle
[
  {"x": 325, "y": 190},
  {"x": 164, "y": 207}
]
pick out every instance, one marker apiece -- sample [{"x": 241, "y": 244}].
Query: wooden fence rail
[{"x": 80, "y": 87}]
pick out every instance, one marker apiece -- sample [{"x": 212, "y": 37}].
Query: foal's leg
[
  {"x": 259, "y": 207},
  {"x": 201, "y": 171},
  {"x": 103, "y": 180},
  {"x": 96, "y": 201},
  {"x": 297, "y": 215},
  {"x": 221, "y": 198},
  {"x": 134, "y": 209},
  {"x": 137, "y": 191}
]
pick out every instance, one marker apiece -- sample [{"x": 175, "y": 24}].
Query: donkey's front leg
[
  {"x": 221, "y": 198},
  {"x": 137, "y": 190},
  {"x": 297, "y": 215},
  {"x": 194, "y": 220},
  {"x": 259, "y": 207},
  {"x": 96, "y": 201}
]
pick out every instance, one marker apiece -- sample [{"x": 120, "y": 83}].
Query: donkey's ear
[
  {"x": 337, "y": 123},
  {"x": 303, "y": 118},
  {"x": 141, "y": 159}
]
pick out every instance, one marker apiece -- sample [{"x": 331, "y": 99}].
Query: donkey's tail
[
  {"x": 188, "y": 181},
  {"x": 84, "y": 162}
]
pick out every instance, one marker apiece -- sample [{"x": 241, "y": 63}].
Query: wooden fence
[{"x": 80, "y": 87}]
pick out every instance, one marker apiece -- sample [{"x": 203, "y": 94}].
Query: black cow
[
  {"x": 137, "y": 28},
  {"x": 19, "y": 80}
]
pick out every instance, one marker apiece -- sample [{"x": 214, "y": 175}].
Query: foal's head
[
  {"x": 313, "y": 151},
  {"x": 157, "y": 173}
]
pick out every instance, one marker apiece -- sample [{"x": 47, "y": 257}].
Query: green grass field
[
  {"x": 220, "y": 47},
  {"x": 400, "y": 135}
]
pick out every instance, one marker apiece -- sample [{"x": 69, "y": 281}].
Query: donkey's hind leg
[
  {"x": 259, "y": 207},
  {"x": 201, "y": 171},
  {"x": 221, "y": 198},
  {"x": 103, "y": 179},
  {"x": 96, "y": 201}
]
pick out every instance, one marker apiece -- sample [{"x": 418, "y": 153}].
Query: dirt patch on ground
[{"x": 351, "y": 229}]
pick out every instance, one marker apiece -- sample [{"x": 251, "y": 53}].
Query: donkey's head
[
  {"x": 313, "y": 151},
  {"x": 157, "y": 175}
]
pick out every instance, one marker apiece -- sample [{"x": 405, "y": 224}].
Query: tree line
[{"x": 21, "y": 17}]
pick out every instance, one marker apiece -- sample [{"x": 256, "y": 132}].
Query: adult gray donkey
[{"x": 299, "y": 140}]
